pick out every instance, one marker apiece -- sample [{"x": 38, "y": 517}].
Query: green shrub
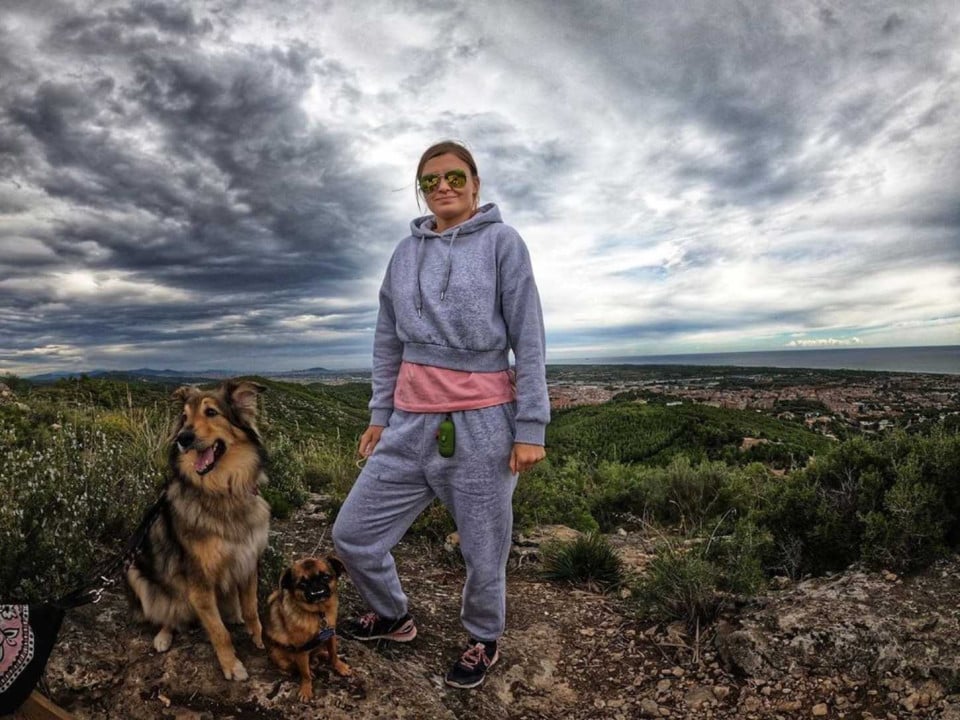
[
  {"x": 285, "y": 472},
  {"x": 329, "y": 466},
  {"x": 742, "y": 557},
  {"x": 588, "y": 560},
  {"x": 890, "y": 501},
  {"x": 911, "y": 531},
  {"x": 694, "y": 495},
  {"x": 680, "y": 583},
  {"x": 64, "y": 498},
  {"x": 619, "y": 491},
  {"x": 554, "y": 493}
]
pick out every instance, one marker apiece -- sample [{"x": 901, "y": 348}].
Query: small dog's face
[{"x": 312, "y": 581}]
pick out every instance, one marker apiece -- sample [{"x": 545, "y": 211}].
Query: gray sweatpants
[{"x": 400, "y": 479}]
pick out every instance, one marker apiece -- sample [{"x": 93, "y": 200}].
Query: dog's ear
[
  {"x": 243, "y": 397},
  {"x": 286, "y": 580},
  {"x": 183, "y": 393},
  {"x": 337, "y": 564}
]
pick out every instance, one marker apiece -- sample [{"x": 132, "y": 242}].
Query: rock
[
  {"x": 820, "y": 710},
  {"x": 721, "y": 692},
  {"x": 742, "y": 650},
  {"x": 452, "y": 542},
  {"x": 698, "y": 696},
  {"x": 779, "y": 582},
  {"x": 911, "y": 702},
  {"x": 556, "y": 533},
  {"x": 649, "y": 708}
]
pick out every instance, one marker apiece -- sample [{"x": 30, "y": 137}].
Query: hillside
[
  {"x": 623, "y": 431},
  {"x": 855, "y": 645}
]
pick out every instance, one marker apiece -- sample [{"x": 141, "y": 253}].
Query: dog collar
[{"x": 320, "y": 638}]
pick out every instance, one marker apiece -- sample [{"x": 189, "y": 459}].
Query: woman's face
[{"x": 451, "y": 205}]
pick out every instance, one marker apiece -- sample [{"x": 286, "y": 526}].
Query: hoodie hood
[{"x": 423, "y": 229}]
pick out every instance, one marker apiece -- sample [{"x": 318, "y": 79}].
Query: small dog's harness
[{"x": 320, "y": 638}]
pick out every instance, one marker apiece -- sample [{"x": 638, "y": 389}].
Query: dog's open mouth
[{"x": 207, "y": 459}]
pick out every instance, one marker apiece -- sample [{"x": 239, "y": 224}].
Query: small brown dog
[{"x": 302, "y": 619}]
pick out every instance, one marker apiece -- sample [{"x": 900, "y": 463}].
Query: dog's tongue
[{"x": 204, "y": 460}]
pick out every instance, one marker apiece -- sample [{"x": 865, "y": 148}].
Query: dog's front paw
[
  {"x": 306, "y": 692},
  {"x": 163, "y": 640},
  {"x": 342, "y": 669},
  {"x": 236, "y": 672},
  {"x": 258, "y": 640}
]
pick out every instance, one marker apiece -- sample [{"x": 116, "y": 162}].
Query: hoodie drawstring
[
  {"x": 446, "y": 279},
  {"x": 419, "y": 267},
  {"x": 449, "y": 268}
]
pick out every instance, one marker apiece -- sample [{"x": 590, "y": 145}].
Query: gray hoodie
[{"x": 462, "y": 299}]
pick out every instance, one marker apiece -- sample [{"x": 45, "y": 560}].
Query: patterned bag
[{"x": 27, "y": 635}]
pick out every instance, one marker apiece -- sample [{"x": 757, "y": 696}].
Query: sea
[{"x": 940, "y": 359}]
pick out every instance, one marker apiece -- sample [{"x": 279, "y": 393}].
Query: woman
[{"x": 448, "y": 418}]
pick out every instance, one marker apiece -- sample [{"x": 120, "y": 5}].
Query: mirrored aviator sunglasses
[{"x": 455, "y": 179}]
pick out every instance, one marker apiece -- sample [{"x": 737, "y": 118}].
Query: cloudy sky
[{"x": 220, "y": 184}]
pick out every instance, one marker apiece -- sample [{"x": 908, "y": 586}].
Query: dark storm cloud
[
  {"x": 174, "y": 162},
  {"x": 234, "y": 170}
]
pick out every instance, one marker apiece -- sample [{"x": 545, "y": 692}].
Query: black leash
[
  {"x": 102, "y": 577},
  {"x": 317, "y": 640}
]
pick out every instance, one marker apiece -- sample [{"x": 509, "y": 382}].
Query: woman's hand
[
  {"x": 369, "y": 440},
  {"x": 524, "y": 456}
]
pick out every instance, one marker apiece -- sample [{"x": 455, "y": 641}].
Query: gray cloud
[
  {"x": 183, "y": 180},
  {"x": 178, "y": 164}
]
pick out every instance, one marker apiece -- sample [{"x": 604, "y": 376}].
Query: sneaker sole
[
  {"x": 465, "y": 686},
  {"x": 405, "y": 634}
]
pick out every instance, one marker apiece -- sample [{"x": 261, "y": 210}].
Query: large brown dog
[
  {"x": 302, "y": 619},
  {"x": 201, "y": 553}
]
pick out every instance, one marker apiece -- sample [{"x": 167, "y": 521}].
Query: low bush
[
  {"x": 680, "y": 583},
  {"x": 742, "y": 558},
  {"x": 589, "y": 560},
  {"x": 62, "y": 500},
  {"x": 890, "y": 501},
  {"x": 286, "y": 469},
  {"x": 554, "y": 491}
]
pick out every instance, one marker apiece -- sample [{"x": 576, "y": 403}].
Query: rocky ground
[{"x": 855, "y": 645}]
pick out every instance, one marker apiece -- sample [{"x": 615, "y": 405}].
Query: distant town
[{"x": 832, "y": 402}]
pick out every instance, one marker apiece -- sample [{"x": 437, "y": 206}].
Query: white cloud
[{"x": 824, "y": 342}]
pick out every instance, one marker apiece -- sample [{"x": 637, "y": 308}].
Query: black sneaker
[
  {"x": 471, "y": 669},
  {"x": 373, "y": 627}
]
